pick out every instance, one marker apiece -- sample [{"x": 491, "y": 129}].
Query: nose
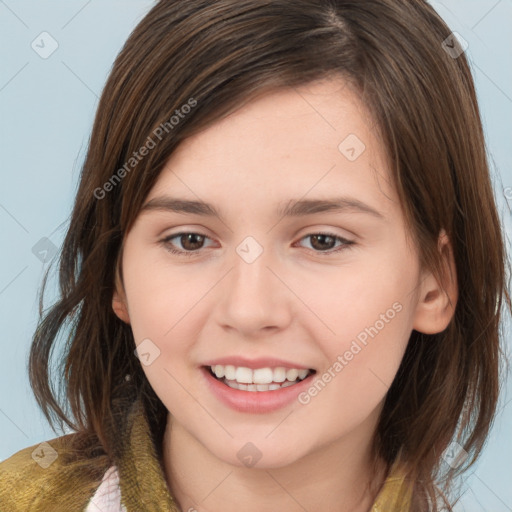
[{"x": 254, "y": 298}]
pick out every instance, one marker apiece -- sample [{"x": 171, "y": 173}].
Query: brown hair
[{"x": 214, "y": 55}]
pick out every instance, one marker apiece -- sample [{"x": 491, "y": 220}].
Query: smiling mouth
[{"x": 263, "y": 379}]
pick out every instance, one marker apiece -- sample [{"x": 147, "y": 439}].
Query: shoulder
[
  {"x": 34, "y": 463},
  {"x": 49, "y": 476}
]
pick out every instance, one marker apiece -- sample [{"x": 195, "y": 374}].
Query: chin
[{"x": 257, "y": 452}]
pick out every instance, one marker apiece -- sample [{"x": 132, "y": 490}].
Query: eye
[
  {"x": 323, "y": 243},
  {"x": 190, "y": 241}
]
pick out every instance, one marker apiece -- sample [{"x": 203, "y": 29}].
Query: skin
[{"x": 294, "y": 301}]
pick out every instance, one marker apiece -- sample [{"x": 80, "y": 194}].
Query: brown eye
[
  {"x": 322, "y": 242},
  {"x": 190, "y": 243},
  {"x": 326, "y": 243}
]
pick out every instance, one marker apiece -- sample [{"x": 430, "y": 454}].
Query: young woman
[{"x": 283, "y": 277}]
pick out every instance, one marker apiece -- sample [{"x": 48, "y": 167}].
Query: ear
[
  {"x": 119, "y": 304},
  {"x": 437, "y": 299}
]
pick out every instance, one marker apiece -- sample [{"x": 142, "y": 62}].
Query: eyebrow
[{"x": 294, "y": 208}]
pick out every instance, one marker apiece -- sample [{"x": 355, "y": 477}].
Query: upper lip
[{"x": 260, "y": 362}]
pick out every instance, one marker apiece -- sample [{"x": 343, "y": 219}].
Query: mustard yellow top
[{"x": 41, "y": 479}]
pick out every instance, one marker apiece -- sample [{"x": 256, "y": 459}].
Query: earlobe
[
  {"x": 120, "y": 308},
  {"x": 437, "y": 298}
]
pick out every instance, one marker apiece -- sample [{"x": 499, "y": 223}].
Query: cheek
[
  {"x": 161, "y": 305},
  {"x": 160, "y": 296},
  {"x": 372, "y": 292},
  {"x": 361, "y": 364},
  {"x": 370, "y": 311}
]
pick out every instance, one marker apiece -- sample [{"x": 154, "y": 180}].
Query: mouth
[{"x": 259, "y": 379}]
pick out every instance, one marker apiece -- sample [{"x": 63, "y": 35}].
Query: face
[{"x": 336, "y": 290}]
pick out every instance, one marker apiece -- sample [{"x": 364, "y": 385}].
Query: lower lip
[{"x": 256, "y": 402}]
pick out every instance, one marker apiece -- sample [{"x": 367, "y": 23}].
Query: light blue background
[{"x": 47, "y": 108}]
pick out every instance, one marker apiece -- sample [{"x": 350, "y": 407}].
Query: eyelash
[{"x": 166, "y": 242}]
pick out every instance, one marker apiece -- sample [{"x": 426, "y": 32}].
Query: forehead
[{"x": 318, "y": 139}]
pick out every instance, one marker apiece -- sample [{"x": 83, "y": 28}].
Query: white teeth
[
  {"x": 260, "y": 379},
  {"x": 229, "y": 372},
  {"x": 243, "y": 375},
  {"x": 279, "y": 374},
  {"x": 256, "y": 387},
  {"x": 263, "y": 375},
  {"x": 303, "y": 374},
  {"x": 292, "y": 375},
  {"x": 218, "y": 370}
]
